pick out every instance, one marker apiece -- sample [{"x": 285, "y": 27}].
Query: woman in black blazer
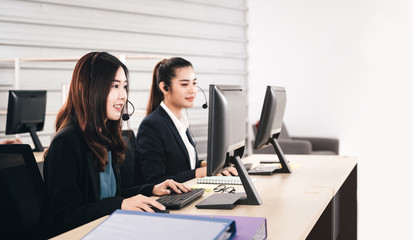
[
  {"x": 81, "y": 166},
  {"x": 164, "y": 146}
]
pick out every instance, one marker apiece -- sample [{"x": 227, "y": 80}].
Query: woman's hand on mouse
[{"x": 140, "y": 203}]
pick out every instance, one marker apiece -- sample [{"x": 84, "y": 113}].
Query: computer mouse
[
  {"x": 157, "y": 210},
  {"x": 171, "y": 190}
]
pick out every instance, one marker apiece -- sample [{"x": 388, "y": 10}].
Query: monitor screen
[
  {"x": 26, "y": 113},
  {"x": 270, "y": 124},
  {"x": 272, "y": 115},
  {"x": 226, "y": 126}
]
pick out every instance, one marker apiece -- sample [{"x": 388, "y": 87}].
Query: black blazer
[
  {"x": 160, "y": 152},
  {"x": 72, "y": 185}
]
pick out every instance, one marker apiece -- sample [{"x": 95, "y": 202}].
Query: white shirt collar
[{"x": 181, "y": 123}]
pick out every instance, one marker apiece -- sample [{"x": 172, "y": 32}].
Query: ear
[{"x": 162, "y": 88}]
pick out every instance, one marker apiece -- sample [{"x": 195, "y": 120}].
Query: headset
[
  {"x": 205, "y": 105},
  {"x": 95, "y": 56},
  {"x": 126, "y": 116}
]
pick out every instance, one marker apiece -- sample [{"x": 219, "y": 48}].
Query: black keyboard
[{"x": 176, "y": 201}]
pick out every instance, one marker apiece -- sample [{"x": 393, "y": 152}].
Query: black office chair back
[
  {"x": 127, "y": 168},
  {"x": 22, "y": 192}
]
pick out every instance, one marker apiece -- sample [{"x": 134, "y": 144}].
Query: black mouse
[{"x": 157, "y": 210}]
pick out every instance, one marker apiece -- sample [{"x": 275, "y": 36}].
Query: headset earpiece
[{"x": 165, "y": 87}]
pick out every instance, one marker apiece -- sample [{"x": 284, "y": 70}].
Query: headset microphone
[
  {"x": 126, "y": 116},
  {"x": 205, "y": 105}
]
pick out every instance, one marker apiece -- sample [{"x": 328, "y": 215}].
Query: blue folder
[{"x": 124, "y": 224}]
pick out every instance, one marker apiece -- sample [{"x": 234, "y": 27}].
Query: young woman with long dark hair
[{"x": 81, "y": 166}]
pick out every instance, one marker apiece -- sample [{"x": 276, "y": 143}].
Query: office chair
[
  {"x": 22, "y": 192},
  {"x": 127, "y": 168},
  {"x": 301, "y": 145}
]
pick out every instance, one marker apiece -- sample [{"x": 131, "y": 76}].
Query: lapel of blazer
[
  {"x": 191, "y": 140},
  {"x": 175, "y": 132},
  {"x": 91, "y": 166},
  {"x": 116, "y": 170},
  {"x": 94, "y": 175}
]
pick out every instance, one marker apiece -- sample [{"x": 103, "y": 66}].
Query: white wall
[
  {"x": 347, "y": 68},
  {"x": 209, "y": 33}
]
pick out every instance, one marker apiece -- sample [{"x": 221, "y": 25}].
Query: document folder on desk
[
  {"x": 124, "y": 224},
  {"x": 247, "y": 227}
]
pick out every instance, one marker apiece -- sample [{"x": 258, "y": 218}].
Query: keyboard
[{"x": 175, "y": 201}]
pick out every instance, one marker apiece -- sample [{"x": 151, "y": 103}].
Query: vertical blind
[{"x": 48, "y": 36}]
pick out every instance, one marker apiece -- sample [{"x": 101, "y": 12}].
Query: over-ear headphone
[{"x": 95, "y": 56}]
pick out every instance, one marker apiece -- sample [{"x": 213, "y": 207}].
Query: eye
[
  {"x": 115, "y": 85},
  {"x": 126, "y": 87}
]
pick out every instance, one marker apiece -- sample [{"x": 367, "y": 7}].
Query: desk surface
[{"x": 292, "y": 203}]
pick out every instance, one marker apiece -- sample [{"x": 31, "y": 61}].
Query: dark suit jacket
[
  {"x": 72, "y": 185},
  {"x": 160, "y": 152}
]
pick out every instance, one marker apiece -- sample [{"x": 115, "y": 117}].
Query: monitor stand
[
  {"x": 37, "y": 145},
  {"x": 253, "y": 198},
  {"x": 285, "y": 168},
  {"x": 229, "y": 200}
]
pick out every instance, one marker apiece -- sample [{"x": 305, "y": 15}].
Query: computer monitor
[
  {"x": 26, "y": 113},
  {"x": 270, "y": 123},
  {"x": 226, "y": 135}
]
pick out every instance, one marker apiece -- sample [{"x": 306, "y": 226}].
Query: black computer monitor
[
  {"x": 226, "y": 135},
  {"x": 270, "y": 123},
  {"x": 26, "y": 113}
]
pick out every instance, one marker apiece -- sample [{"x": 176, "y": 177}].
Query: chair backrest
[
  {"x": 284, "y": 133},
  {"x": 127, "y": 168},
  {"x": 22, "y": 192}
]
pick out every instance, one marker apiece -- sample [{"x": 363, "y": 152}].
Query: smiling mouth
[{"x": 118, "y": 107}]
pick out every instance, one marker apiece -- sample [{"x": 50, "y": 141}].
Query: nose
[
  {"x": 123, "y": 94},
  {"x": 193, "y": 89}
]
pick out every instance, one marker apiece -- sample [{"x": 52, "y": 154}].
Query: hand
[
  {"x": 231, "y": 171},
  {"x": 200, "y": 172},
  {"x": 162, "y": 188},
  {"x": 12, "y": 141},
  {"x": 140, "y": 203}
]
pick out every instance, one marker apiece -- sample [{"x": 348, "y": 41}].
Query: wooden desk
[{"x": 300, "y": 205}]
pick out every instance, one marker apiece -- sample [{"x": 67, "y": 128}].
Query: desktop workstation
[
  {"x": 306, "y": 202},
  {"x": 315, "y": 197},
  {"x": 302, "y": 205}
]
